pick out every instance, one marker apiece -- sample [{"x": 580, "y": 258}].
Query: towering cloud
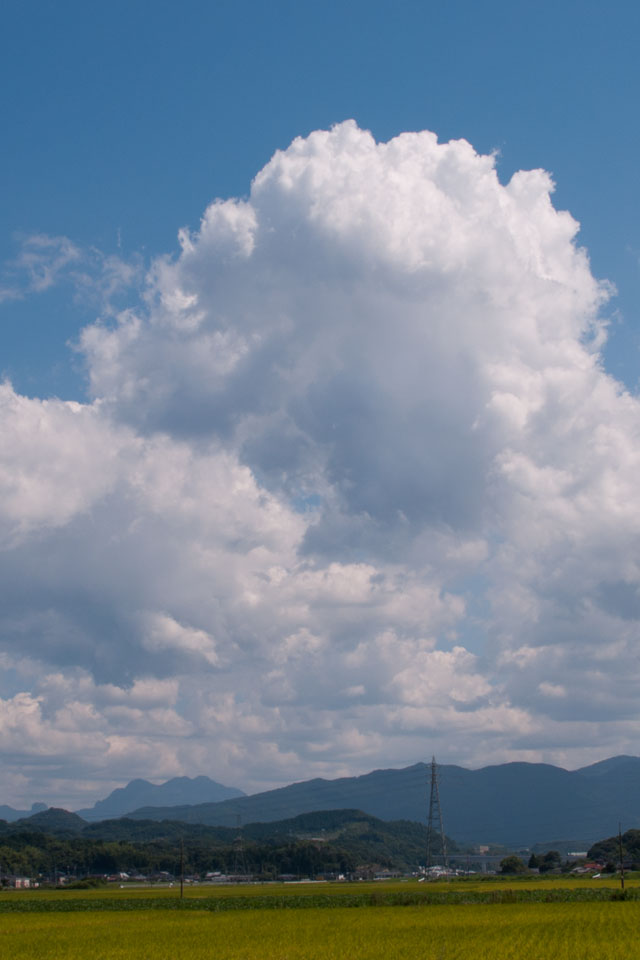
[{"x": 352, "y": 486}]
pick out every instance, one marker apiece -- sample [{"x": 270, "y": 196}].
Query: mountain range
[{"x": 515, "y": 804}]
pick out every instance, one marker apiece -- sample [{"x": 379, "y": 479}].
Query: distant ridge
[
  {"x": 10, "y": 815},
  {"x": 179, "y": 790},
  {"x": 516, "y": 804}
]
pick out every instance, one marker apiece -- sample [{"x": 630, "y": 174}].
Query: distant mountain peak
[
  {"x": 11, "y": 815},
  {"x": 604, "y": 767},
  {"x": 178, "y": 790}
]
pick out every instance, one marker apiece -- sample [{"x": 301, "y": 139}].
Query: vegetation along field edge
[{"x": 379, "y": 898}]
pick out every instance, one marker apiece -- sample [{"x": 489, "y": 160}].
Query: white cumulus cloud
[{"x": 352, "y": 486}]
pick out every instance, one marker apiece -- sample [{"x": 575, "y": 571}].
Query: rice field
[
  {"x": 533, "y": 931},
  {"x": 278, "y": 890},
  {"x": 546, "y": 919}
]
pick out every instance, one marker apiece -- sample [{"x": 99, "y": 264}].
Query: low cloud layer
[{"x": 352, "y": 487}]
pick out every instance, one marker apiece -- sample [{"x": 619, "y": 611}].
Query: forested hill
[
  {"x": 609, "y": 849},
  {"x": 337, "y": 840},
  {"x": 516, "y": 804}
]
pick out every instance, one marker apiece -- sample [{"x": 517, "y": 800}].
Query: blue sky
[
  {"x": 344, "y": 473},
  {"x": 123, "y": 120}
]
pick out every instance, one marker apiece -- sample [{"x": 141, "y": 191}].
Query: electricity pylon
[
  {"x": 435, "y": 826},
  {"x": 239, "y": 861}
]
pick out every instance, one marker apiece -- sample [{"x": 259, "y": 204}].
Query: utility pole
[
  {"x": 181, "y": 868},
  {"x": 620, "y": 854},
  {"x": 435, "y": 826}
]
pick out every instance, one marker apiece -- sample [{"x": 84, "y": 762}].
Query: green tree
[
  {"x": 512, "y": 864},
  {"x": 550, "y": 861}
]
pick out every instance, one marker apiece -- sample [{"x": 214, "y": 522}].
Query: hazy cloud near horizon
[{"x": 352, "y": 487}]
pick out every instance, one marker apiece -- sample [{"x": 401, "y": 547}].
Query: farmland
[{"x": 548, "y": 919}]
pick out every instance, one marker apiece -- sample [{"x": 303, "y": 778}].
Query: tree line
[{"x": 328, "y": 842}]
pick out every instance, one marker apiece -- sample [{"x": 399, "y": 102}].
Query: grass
[{"x": 551, "y": 931}]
